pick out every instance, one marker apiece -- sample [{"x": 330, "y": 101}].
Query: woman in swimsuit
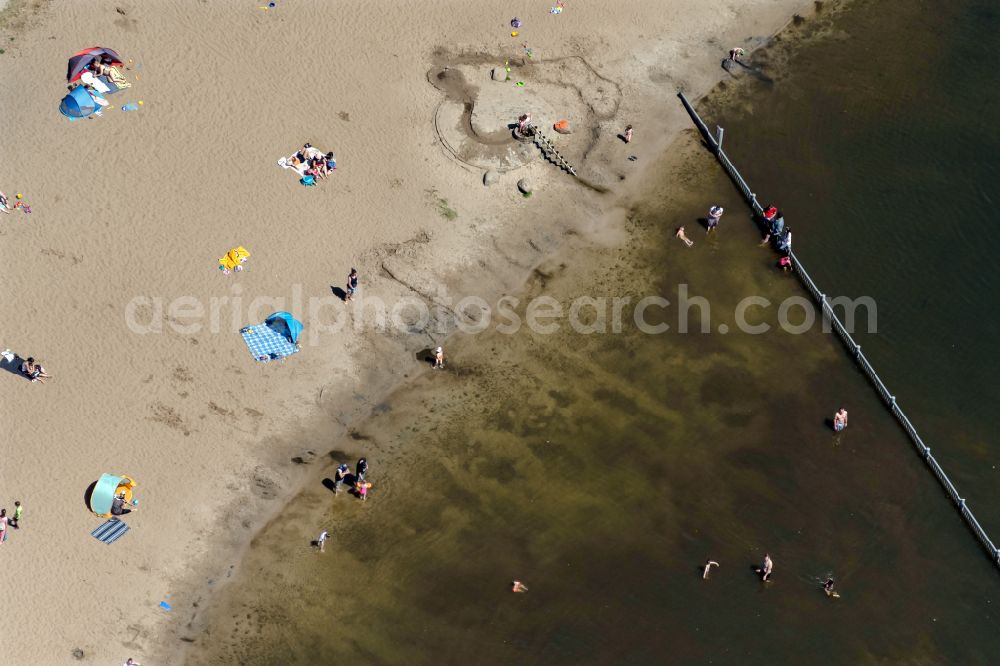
[{"x": 352, "y": 285}]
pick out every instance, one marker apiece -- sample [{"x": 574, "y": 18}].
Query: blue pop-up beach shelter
[
  {"x": 276, "y": 338},
  {"x": 78, "y": 103},
  {"x": 286, "y": 324}
]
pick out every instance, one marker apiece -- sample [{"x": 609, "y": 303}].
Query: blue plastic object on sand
[
  {"x": 131, "y": 106},
  {"x": 164, "y": 605}
]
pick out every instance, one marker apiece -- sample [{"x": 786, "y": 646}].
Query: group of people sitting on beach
[
  {"x": 34, "y": 371},
  {"x": 310, "y": 162},
  {"x": 90, "y": 79}
]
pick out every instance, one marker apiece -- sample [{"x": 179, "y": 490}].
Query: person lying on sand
[
  {"x": 680, "y": 234},
  {"x": 101, "y": 67}
]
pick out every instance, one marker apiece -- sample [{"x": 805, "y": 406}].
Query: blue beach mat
[
  {"x": 266, "y": 344},
  {"x": 110, "y": 531},
  {"x": 111, "y": 84}
]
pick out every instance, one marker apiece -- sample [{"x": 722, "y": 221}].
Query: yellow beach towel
[
  {"x": 119, "y": 79},
  {"x": 233, "y": 258}
]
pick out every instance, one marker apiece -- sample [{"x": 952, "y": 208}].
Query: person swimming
[
  {"x": 708, "y": 567},
  {"x": 518, "y": 586}
]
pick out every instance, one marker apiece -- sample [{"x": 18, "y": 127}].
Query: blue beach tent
[
  {"x": 286, "y": 325},
  {"x": 276, "y": 338},
  {"x": 78, "y": 103}
]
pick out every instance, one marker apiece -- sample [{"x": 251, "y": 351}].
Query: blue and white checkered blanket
[{"x": 266, "y": 344}]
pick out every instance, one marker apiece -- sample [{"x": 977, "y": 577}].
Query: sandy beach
[{"x": 105, "y": 279}]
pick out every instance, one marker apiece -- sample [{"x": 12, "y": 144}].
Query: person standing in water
[
  {"x": 321, "y": 540},
  {"x": 338, "y": 477},
  {"x": 775, "y": 227},
  {"x": 840, "y": 420},
  {"x": 714, "y": 215},
  {"x": 766, "y": 567},
  {"x": 785, "y": 241},
  {"x": 828, "y": 588}
]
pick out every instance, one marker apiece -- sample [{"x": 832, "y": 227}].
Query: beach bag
[{"x": 308, "y": 180}]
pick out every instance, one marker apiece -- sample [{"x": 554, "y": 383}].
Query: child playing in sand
[
  {"x": 363, "y": 490},
  {"x": 680, "y": 234}
]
